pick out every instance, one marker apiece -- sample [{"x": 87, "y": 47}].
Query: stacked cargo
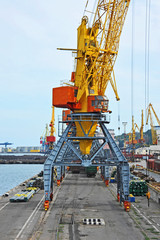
[
  {"x": 156, "y": 186},
  {"x": 143, "y": 176},
  {"x": 112, "y": 180},
  {"x": 131, "y": 198},
  {"x": 138, "y": 188},
  {"x": 25, "y": 195},
  {"x": 36, "y": 182},
  {"x": 114, "y": 172},
  {"x": 32, "y": 187},
  {"x": 91, "y": 171}
]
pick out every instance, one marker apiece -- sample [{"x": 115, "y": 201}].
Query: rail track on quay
[{"x": 77, "y": 198}]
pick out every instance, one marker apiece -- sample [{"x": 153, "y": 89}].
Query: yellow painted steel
[
  {"x": 85, "y": 145},
  {"x": 96, "y": 53},
  {"x": 35, "y": 151},
  {"x": 52, "y": 128},
  {"x": 132, "y": 134},
  {"x": 97, "y": 49},
  {"x": 141, "y": 128},
  {"x": 158, "y": 121},
  {"x": 133, "y": 131},
  {"x": 136, "y": 126},
  {"x": 153, "y": 131}
]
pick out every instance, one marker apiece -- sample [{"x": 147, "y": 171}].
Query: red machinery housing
[
  {"x": 65, "y": 97},
  {"x": 64, "y": 114},
  {"x": 97, "y": 104},
  {"x": 50, "y": 139}
]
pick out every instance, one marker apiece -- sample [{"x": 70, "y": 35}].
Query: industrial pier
[
  {"x": 87, "y": 204},
  {"x": 79, "y": 198}
]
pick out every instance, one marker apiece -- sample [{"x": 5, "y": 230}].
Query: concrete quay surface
[{"x": 78, "y": 198}]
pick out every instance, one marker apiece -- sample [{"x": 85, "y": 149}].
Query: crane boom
[
  {"x": 155, "y": 114},
  {"x": 141, "y": 128},
  {"x": 136, "y": 126},
  {"x": 51, "y": 138},
  {"x": 52, "y": 128},
  {"x": 96, "y": 53},
  {"x": 98, "y": 48},
  {"x": 153, "y": 132}
]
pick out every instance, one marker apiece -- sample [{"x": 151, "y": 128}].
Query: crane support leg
[
  {"x": 63, "y": 173},
  {"x": 50, "y": 162},
  {"x": 59, "y": 175},
  {"x": 123, "y": 172},
  {"x": 67, "y": 152},
  {"x": 102, "y": 173},
  {"x": 52, "y": 176},
  {"x": 106, "y": 175},
  {"x": 118, "y": 184}
]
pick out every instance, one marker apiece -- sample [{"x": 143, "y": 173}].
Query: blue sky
[{"x": 30, "y": 65}]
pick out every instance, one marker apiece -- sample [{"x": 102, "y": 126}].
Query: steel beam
[{"x": 67, "y": 152}]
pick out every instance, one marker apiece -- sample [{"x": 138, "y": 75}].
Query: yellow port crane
[
  {"x": 132, "y": 134},
  {"x": 136, "y": 126},
  {"x": 96, "y": 53},
  {"x": 141, "y": 128},
  {"x": 151, "y": 107},
  {"x": 149, "y": 115},
  {"x": 43, "y": 138},
  {"x": 51, "y": 138},
  {"x": 141, "y": 140}
]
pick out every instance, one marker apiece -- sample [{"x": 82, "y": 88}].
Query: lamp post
[
  {"x": 124, "y": 124},
  {"x": 146, "y": 162}
]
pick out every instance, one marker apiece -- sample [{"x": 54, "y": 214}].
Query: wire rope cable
[
  {"x": 147, "y": 56},
  {"x": 132, "y": 65},
  {"x": 148, "y": 60},
  {"x": 145, "y": 70}
]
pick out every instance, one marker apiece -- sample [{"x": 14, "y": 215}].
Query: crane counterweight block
[
  {"x": 65, "y": 97},
  {"x": 51, "y": 138}
]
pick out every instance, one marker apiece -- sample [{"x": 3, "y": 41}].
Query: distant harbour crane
[
  {"x": 6, "y": 144},
  {"x": 149, "y": 115},
  {"x": 43, "y": 140},
  {"x": 51, "y": 138}
]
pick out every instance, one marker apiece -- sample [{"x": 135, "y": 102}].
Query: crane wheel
[
  {"x": 46, "y": 205},
  {"x": 118, "y": 197},
  {"x": 51, "y": 196},
  {"x": 58, "y": 183},
  {"x": 107, "y": 182},
  {"x": 127, "y": 206}
]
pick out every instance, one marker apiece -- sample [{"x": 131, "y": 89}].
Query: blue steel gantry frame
[{"x": 67, "y": 153}]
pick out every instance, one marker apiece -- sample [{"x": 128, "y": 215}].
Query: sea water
[{"x": 12, "y": 175}]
